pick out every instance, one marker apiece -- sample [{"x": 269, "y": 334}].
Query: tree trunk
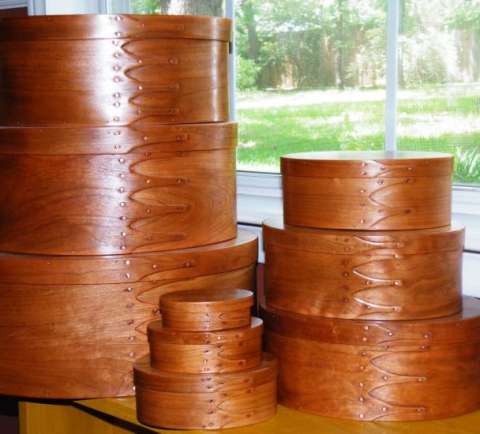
[
  {"x": 164, "y": 6},
  {"x": 203, "y": 7},
  {"x": 249, "y": 17},
  {"x": 340, "y": 45}
]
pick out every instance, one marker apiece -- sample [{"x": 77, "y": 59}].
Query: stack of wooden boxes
[
  {"x": 118, "y": 185},
  {"x": 206, "y": 369},
  {"x": 363, "y": 289}
]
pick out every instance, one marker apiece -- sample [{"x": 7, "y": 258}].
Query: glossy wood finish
[
  {"x": 208, "y": 401},
  {"x": 79, "y": 191},
  {"x": 364, "y": 274},
  {"x": 367, "y": 190},
  {"x": 206, "y": 310},
  {"x": 113, "y": 70},
  {"x": 378, "y": 370},
  {"x": 70, "y": 327},
  {"x": 202, "y": 352}
]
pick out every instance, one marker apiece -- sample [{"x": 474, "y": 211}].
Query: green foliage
[
  {"x": 144, "y": 6},
  {"x": 276, "y": 123},
  {"x": 467, "y": 164},
  {"x": 247, "y": 72},
  {"x": 303, "y": 44},
  {"x": 310, "y": 43},
  {"x": 424, "y": 63},
  {"x": 465, "y": 16}
]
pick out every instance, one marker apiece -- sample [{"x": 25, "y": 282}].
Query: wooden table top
[{"x": 293, "y": 422}]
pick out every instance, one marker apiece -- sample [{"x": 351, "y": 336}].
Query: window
[
  {"x": 439, "y": 79},
  {"x": 311, "y": 76},
  {"x": 170, "y": 7}
]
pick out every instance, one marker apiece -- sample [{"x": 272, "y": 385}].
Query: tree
[
  {"x": 188, "y": 7},
  {"x": 204, "y": 7}
]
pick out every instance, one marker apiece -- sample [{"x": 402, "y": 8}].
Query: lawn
[{"x": 442, "y": 119}]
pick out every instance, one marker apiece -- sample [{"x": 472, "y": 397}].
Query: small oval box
[
  {"x": 367, "y": 190},
  {"x": 206, "y": 310},
  {"x": 205, "y": 401},
  {"x": 202, "y": 352}
]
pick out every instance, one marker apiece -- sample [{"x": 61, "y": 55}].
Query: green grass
[{"x": 442, "y": 119}]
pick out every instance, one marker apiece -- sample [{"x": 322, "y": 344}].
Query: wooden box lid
[
  {"x": 147, "y": 376},
  {"x": 199, "y": 310},
  {"x": 385, "y": 275},
  {"x": 462, "y": 327},
  {"x": 367, "y": 190}
]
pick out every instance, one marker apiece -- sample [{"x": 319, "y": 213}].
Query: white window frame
[{"x": 260, "y": 194}]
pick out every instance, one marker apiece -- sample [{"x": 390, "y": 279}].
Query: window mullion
[
  {"x": 391, "y": 98},
  {"x": 230, "y": 13}
]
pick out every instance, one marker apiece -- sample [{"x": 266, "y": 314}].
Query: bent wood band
[
  {"x": 378, "y": 370},
  {"x": 367, "y": 190},
  {"x": 364, "y": 274},
  {"x": 106, "y": 191},
  {"x": 212, "y": 375},
  {"x": 112, "y": 70}
]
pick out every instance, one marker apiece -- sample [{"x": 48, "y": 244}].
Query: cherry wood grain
[
  {"x": 206, "y": 310},
  {"x": 367, "y": 190},
  {"x": 113, "y": 70},
  {"x": 378, "y": 370},
  {"x": 205, "y": 401},
  {"x": 364, "y": 274},
  {"x": 78, "y": 191},
  {"x": 220, "y": 351},
  {"x": 70, "y": 327}
]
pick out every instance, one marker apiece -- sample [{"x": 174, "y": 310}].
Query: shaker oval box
[
  {"x": 110, "y": 70},
  {"x": 367, "y": 190},
  {"x": 388, "y": 275},
  {"x": 106, "y": 191},
  {"x": 377, "y": 370}
]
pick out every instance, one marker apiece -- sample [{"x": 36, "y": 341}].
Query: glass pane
[
  {"x": 439, "y": 105},
  {"x": 310, "y": 76},
  {"x": 170, "y": 7}
]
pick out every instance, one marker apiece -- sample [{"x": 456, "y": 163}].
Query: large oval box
[
  {"x": 71, "y": 327},
  {"x": 378, "y": 370},
  {"x": 113, "y": 70},
  {"x": 367, "y": 190},
  {"x": 104, "y": 191},
  {"x": 206, "y": 401},
  {"x": 389, "y": 275}
]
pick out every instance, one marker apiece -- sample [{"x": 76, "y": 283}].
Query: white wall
[{"x": 62, "y": 7}]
